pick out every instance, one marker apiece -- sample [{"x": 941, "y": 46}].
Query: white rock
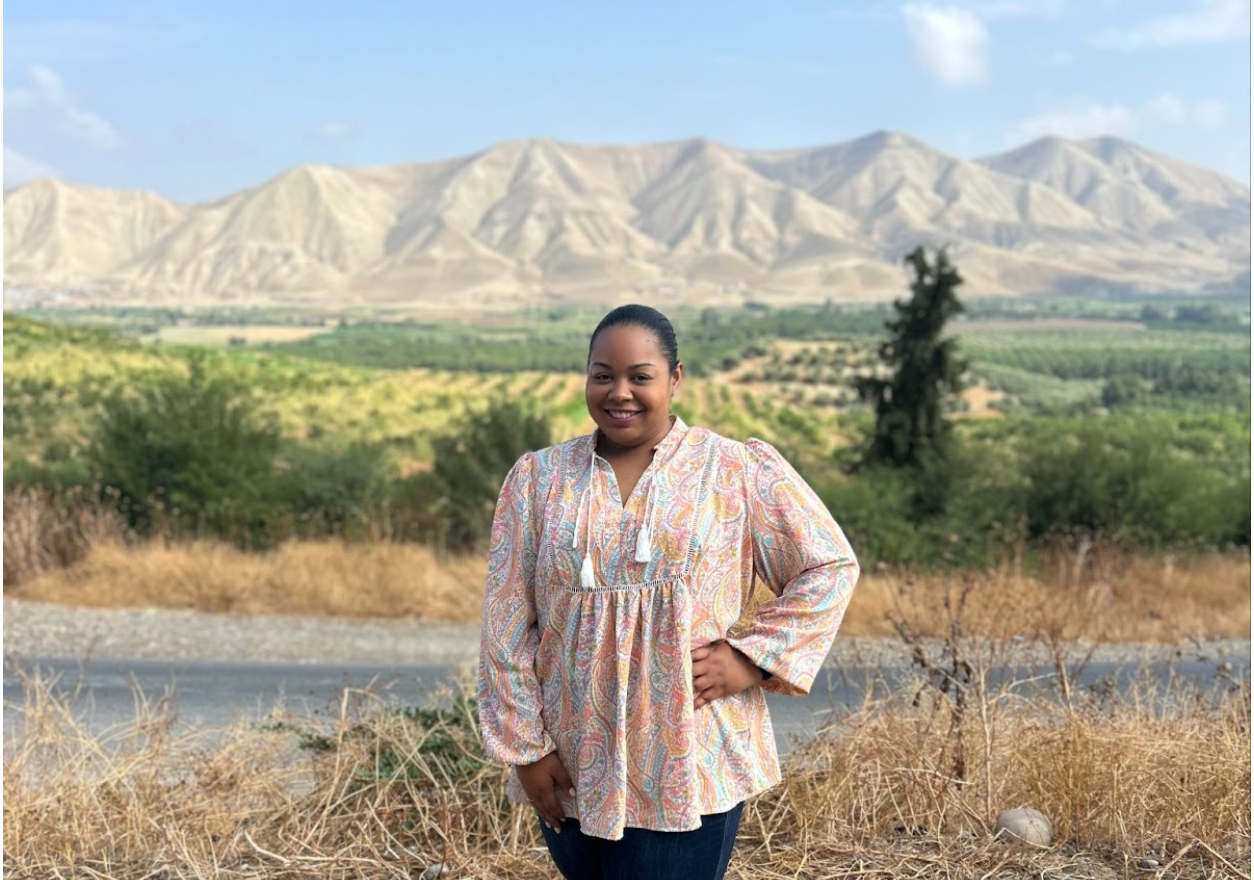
[{"x": 1027, "y": 825}]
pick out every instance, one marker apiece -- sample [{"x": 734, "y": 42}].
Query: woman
[{"x": 611, "y": 677}]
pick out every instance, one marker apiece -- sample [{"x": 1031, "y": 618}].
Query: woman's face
[{"x": 630, "y": 386}]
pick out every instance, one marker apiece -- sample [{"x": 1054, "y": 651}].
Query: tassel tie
[{"x": 644, "y": 537}]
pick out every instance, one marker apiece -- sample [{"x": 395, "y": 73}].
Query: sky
[{"x": 198, "y": 100}]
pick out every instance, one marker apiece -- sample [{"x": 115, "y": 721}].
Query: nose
[{"x": 621, "y": 390}]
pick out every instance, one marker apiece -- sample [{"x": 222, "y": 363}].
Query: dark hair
[{"x": 647, "y": 319}]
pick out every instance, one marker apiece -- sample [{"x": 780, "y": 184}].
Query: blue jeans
[{"x": 642, "y": 854}]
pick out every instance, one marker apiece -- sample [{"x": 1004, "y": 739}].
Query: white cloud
[
  {"x": 18, "y": 168},
  {"x": 47, "y": 107},
  {"x": 1168, "y": 108},
  {"x": 333, "y": 130},
  {"x": 1018, "y": 8},
  {"x": 1092, "y": 120},
  {"x": 1210, "y": 113},
  {"x": 948, "y": 42},
  {"x": 1210, "y": 21}
]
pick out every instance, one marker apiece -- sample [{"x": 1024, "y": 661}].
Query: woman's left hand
[{"x": 719, "y": 670}]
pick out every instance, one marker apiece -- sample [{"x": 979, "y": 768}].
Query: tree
[
  {"x": 911, "y": 430},
  {"x": 458, "y": 495},
  {"x": 1124, "y": 390},
  {"x": 197, "y": 445}
]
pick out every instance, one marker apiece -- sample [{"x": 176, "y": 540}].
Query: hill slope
[{"x": 537, "y": 221}]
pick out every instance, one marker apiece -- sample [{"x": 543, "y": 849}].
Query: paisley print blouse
[{"x": 603, "y": 674}]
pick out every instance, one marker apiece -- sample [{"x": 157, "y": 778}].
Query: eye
[{"x": 643, "y": 378}]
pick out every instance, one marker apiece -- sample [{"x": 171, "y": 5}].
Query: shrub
[
  {"x": 455, "y": 500},
  {"x": 198, "y": 447},
  {"x": 336, "y": 491},
  {"x": 1131, "y": 485}
]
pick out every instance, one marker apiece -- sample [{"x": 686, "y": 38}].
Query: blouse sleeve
[
  {"x": 802, "y": 555},
  {"x": 509, "y": 692}
]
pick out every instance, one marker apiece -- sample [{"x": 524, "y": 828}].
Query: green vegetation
[
  {"x": 1160, "y": 369},
  {"x": 457, "y": 497},
  {"x": 198, "y": 445},
  {"x": 1153, "y": 481},
  {"x": 910, "y": 425},
  {"x": 710, "y": 341},
  {"x": 1120, "y": 423}
]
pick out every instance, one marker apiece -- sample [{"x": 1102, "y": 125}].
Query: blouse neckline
[{"x": 664, "y": 447}]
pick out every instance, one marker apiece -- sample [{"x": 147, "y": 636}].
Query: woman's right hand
[{"x": 541, "y": 781}]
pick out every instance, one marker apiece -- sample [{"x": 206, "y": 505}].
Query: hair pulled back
[{"x": 646, "y": 318}]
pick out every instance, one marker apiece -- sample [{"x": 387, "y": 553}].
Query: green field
[
  {"x": 394, "y": 378},
  {"x": 56, "y": 378}
]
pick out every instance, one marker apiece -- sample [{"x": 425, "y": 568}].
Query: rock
[
  {"x": 1025, "y": 824},
  {"x": 917, "y": 830}
]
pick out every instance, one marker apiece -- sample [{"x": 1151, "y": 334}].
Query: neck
[{"x": 644, "y": 450}]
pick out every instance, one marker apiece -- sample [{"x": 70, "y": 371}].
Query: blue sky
[{"x": 198, "y": 100}]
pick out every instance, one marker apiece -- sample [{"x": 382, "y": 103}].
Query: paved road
[{"x": 213, "y": 695}]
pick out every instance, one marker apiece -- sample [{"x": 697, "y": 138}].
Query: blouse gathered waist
[{"x": 601, "y": 671}]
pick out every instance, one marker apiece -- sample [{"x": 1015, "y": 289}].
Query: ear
[{"x": 677, "y": 377}]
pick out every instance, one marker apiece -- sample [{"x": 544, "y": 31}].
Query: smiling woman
[
  {"x": 619, "y": 672},
  {"x": 633, "y": 374}
]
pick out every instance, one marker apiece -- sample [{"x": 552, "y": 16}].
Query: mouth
[{"x": 623, "y": 415}]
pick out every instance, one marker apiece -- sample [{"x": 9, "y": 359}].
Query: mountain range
[{"x": 538, "y": 221}]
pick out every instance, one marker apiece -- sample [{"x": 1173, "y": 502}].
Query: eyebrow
[{"x": 632, "y": 367}]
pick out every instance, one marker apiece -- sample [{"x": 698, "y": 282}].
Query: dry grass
[
  {"x": 316, "y": 578},
  {"x": 378, "y": 793},
  {"x": 46, "y": 531},
  {"x": 1108, "y": 597},
  {"x": 1104, "y": 597}
]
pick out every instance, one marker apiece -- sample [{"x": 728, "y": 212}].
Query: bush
[
  {"x": 198, "y": 449},
  {"x": 455, "y": 500},
  {"x": 1151, "y": 482},
  {"x": 1130, "y": 485},
  {"x": 336, "y": 491}
]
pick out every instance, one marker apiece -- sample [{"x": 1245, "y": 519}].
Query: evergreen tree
[{"x": 910, "y": 426}]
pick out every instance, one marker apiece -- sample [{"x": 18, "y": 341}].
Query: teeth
[{"x": 622, "y": 414}]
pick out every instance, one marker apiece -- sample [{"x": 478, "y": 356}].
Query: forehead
[{"x": 627, "y": 343}]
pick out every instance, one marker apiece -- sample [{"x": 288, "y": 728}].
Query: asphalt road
[{"x": 214, "y": 695}]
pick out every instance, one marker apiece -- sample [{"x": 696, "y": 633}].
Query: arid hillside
[{"x": 539, "y": 222}]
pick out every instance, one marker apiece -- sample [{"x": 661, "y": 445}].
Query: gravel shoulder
[{"x": 36, "y": 629}]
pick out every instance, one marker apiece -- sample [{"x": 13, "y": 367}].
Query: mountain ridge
[{"x": 540, "y": 220}]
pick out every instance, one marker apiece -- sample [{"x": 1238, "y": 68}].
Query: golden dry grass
[
  {"x": 1109, "y": 597},
  {"x": 221, "y": 334},
  {"x": 332, "y": 578},
  {"x": 382, "y": 794}
]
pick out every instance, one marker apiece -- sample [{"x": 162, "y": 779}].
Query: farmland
[{"x": 1153, "y": 405}]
